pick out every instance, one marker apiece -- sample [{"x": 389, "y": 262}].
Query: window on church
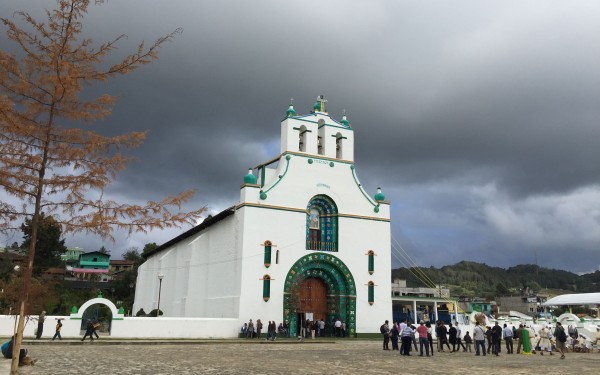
[
  {"x": 321, "y": 224},
  {"x": 267, "y": 246},
  {"x": 338, "y": 145},
  {"x": 371, "y": 293},
  {"x": 320, "y": 145},
  {"x": 320, "y": 139},
  {"x": 266, "y": 287},
  {"x": 302, "y": 140},
  {"x": 371, "y": 255},
  {"x": 277, "y": 257}
]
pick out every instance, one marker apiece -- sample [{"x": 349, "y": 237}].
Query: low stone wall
[{"x": 131, "y": 327}]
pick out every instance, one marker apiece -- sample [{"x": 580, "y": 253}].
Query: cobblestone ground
[{"x": 342, "y": 357}]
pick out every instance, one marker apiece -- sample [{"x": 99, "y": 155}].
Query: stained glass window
[{"x": 321, "y": 224}]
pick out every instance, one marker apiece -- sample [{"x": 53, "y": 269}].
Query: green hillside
[{"x": 471, "y": 279}]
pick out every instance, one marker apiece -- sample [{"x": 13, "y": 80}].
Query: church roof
[{"x": 198, "y": 228}]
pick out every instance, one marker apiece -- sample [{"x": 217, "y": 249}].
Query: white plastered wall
[{"x": 201, "y": 275}]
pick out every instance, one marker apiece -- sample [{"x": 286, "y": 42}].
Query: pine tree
[{"x": 49, "y": 244}]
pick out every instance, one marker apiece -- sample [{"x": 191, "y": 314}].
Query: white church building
[{"x": 305, "y": 241}]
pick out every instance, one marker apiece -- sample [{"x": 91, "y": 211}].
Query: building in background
[
  {"x": 118, "y": 267},
  {"x": 71, "y": 257},
  {"x": 92, "y": 266}
]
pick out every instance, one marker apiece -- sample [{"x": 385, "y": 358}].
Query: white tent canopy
[{"x": 574, "y": 299}]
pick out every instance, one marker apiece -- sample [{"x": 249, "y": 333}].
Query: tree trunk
[{"x": 30, "y": 255}]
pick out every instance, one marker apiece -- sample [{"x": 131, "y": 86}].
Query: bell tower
[{"x": 317, "y": 133}]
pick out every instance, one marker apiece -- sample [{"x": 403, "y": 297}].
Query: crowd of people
[
  {"x": 307, "y": 329},
  {"x": 545, "y": 340}
]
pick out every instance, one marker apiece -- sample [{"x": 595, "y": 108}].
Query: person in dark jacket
[
  {"x": 89, "y": 331},
  {"x": 496, "y": 338},
  {"x": 452, "y": 337},
  {"x": 394, "y": 335},
  {"x": 385, "y": 331},
  {"x": 443, "y": 336},
  {"x": 488, "y": 336}
]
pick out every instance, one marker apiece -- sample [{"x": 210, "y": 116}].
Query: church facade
[{"x": 305, "y": 241}]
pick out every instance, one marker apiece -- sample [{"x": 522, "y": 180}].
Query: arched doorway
[
  {"x": 97, "y": 309},
  {"x": 320, "y": 286},
  {"x": 100, "y": 315}
]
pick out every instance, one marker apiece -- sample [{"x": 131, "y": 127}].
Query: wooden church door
[{"x": 312, "y": 299}]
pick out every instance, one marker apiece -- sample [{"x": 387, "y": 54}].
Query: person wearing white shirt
[{"x": 507, "y": 335}]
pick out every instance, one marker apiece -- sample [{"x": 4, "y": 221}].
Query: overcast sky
[{"x": 479, "y": 119}]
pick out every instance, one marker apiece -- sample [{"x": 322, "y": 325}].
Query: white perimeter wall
[{"x": 132, "y": 327}]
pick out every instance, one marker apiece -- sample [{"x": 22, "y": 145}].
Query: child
[
  {"x": 58, "y": 327},
  {"x": 468, "y": 341}
]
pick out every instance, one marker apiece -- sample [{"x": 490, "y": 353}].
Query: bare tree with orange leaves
[{"x": 50, "y": 162}]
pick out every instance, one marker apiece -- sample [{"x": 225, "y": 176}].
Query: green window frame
[
  {"x": 371, "y": 261},
  {"x": 371, "y": 297},
  {"x": 267, "y": 261},
  {"x": 266, "y": 288}
]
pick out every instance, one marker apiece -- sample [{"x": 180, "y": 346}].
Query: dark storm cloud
[{"x": 479, "y": 119}]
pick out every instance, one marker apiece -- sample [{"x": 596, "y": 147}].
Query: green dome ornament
[
  {"x": 344, "y": 120},
  {"x": 379, "y": 196},
  {"x": 291, "y": 112},
  {"x": 250, "y": 178}
]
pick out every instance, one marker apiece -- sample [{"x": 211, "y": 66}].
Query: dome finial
[
  {"x": 379, "y": 196},
  {"x": 344, "y": 119},
  {"x": 291, "y": 111}
]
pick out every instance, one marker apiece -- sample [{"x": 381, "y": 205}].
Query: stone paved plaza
[{"x": 280, "y": 357}]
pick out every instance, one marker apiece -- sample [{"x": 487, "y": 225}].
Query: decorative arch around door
[{"x": 320, "y": 284}]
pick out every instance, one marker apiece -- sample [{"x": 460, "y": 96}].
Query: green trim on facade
[
  {"x": 319, "y": 157},
  {"x": 287, "y": 159},
  {"x": 262, "y": 176},
  {"x": 332, "y": 125},
  {"x": 361, "y": 188},
  {"x": 341, "y": 289},
  {"x": 300, "y": 154},
  {"x": 281, "y": 208}
]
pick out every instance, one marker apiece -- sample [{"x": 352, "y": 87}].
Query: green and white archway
[
  {"x": 117, "y": 314},
  {"x": 341, "y": 290}
]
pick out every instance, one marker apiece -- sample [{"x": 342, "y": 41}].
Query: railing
[{"x": 321, "y": 245}]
